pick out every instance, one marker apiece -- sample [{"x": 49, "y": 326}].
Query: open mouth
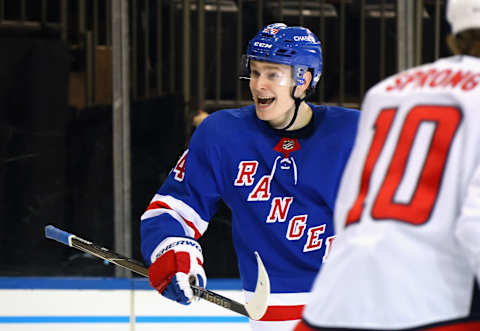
[{"x": 265, "y": 101}]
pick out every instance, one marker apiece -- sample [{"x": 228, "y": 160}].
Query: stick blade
[{"x": 257, "y": 306}]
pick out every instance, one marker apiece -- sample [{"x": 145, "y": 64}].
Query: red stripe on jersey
[
  {"x": 160, "y": 204},
  {"x": 463, "y": 326},
  {"x": 283, "y": 313},
  {"x": 301, "y": 326},
  {"x": 458, "y": 326}
]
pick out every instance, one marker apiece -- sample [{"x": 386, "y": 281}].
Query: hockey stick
[{"x": 254, "y": 309}]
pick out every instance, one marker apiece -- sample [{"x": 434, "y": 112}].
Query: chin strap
[{"x": 298, "y": 101}]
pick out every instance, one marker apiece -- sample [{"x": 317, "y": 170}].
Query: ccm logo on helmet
[
  {"x": 263, "y": 45},
  {"x": 304, "y": 38}
]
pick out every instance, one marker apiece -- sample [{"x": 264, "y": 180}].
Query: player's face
[{"x": 271, "y": 85}]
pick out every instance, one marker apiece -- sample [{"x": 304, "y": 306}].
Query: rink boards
[{"x": 109, "y": 304}]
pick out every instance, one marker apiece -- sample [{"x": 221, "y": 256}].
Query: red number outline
[
  {"x": 417, "y": 211},
  {"x": 382, "y": 128}
]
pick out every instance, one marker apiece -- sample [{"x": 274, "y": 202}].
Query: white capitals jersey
[{"x": 408, "y": 211}]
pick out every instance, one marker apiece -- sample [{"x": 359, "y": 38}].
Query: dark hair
[{"x": 466, "y": 42}]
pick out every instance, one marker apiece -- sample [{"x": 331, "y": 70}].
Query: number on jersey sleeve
[
  {"x": 417, "y": 211},
  {"x": 179, "y": 168}
]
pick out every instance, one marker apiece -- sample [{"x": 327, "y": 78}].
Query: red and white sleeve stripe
[
  {"x": 193, "y": 225},
  {"x": 282, "y": 306}
]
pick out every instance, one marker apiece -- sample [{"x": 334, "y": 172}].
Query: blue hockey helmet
[{"x": 295, "y": 46}]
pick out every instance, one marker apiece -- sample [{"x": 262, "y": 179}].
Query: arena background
[{"x": 72, "y": 157}]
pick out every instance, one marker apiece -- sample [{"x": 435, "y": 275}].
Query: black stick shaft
[{"x": 137, "y": 267}]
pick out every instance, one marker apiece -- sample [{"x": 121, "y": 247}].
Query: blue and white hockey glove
[{"x": 176, "y": 262}]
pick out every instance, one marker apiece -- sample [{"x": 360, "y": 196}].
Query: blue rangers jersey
[{"x": 281, "y": 191}]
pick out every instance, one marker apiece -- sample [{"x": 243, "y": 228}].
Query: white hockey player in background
[{"x": 408, "y": 211}]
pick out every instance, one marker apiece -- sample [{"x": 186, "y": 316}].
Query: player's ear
[{"x": 307, "y": 79}]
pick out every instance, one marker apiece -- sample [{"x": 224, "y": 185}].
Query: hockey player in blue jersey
[{"x": 276, "y": 163}]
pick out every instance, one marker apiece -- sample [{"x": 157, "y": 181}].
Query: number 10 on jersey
[{"x": 446, "y": 120}]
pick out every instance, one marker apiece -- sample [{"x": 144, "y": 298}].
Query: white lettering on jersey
[
  {"x": 261, "y": 192},
  {"x": 329, "y": 243},
  {"x": 246, "y": 171},
  {"x": 179, "y": 169},
  {"x": 279, "y": 209},
  {"x": 313, "y": 240},
  {"x": 296, "y": 227}
]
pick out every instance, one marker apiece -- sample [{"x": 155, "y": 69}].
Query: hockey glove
[{"x": 178, "y": 261}]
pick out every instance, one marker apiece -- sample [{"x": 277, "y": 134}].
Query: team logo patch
[
  {"x": 271, "y": 31},
  {"x": 287, "y": 146}
]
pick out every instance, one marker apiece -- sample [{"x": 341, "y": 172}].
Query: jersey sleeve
[
  {"x": 467, "y": 230},
  {"x": 189, "y": 196}
]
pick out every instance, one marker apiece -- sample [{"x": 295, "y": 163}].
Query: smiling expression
[{"x": 271, "y": 86}]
